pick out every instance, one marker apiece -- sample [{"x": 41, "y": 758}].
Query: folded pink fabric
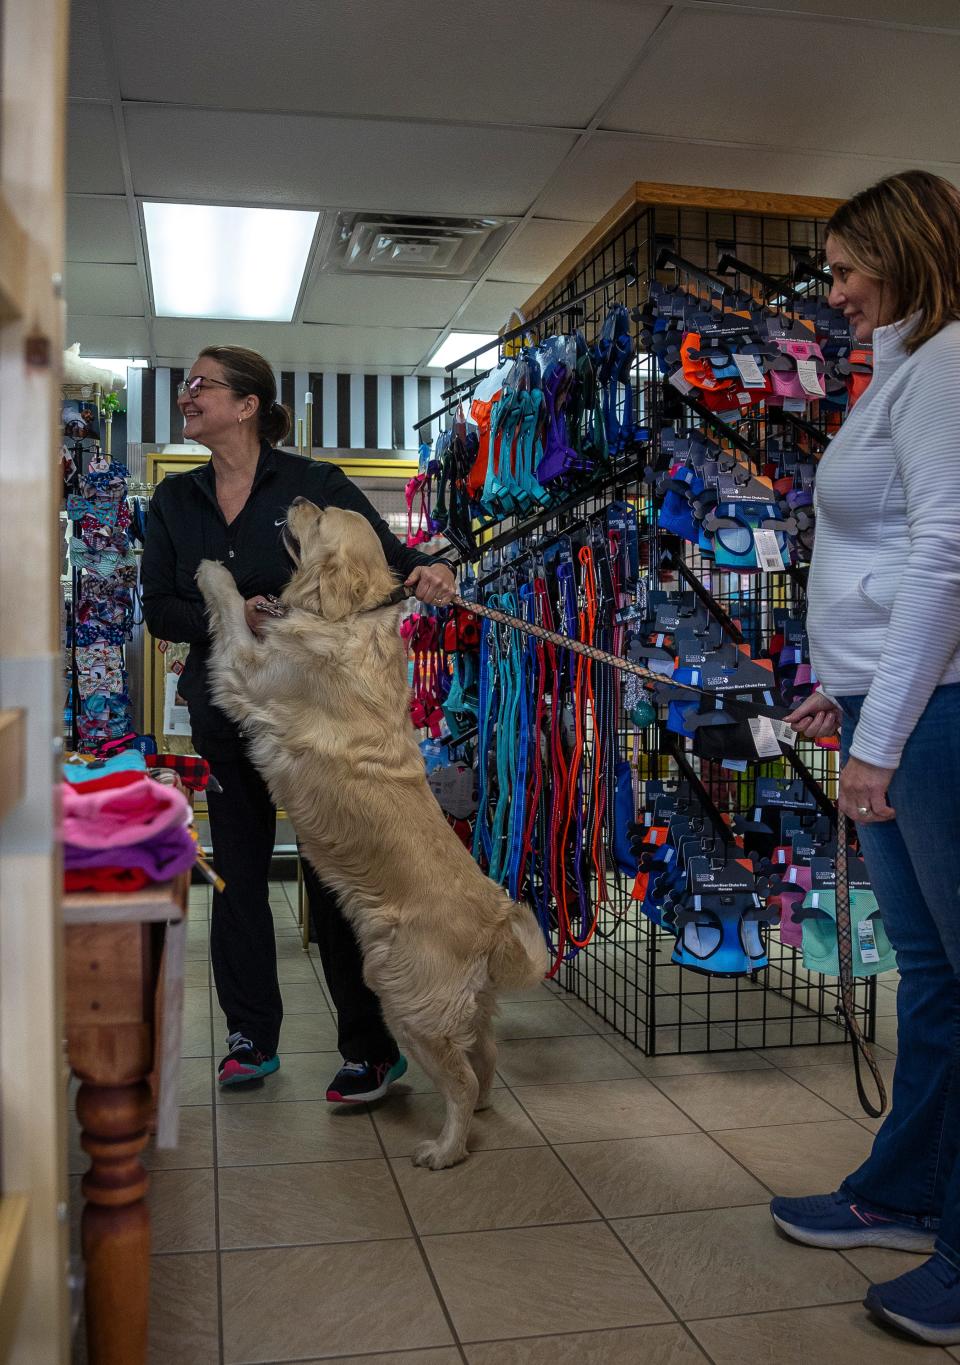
[
  {"x": 120, "y": 815},
  {"x": 161, "y": 858}
]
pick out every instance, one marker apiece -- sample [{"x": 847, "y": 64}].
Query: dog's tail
[{"x": 519, "y": 956}]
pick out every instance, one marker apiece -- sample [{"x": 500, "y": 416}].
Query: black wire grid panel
[{"x": 624, "y": 973}]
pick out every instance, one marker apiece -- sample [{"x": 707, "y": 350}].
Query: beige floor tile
[
  {"x": 602, "y": 1110},
  {"x": 557, "y": 1061},
  {"x": 529, "y": 1281},
  {"x": 407, "y": 1119},
  {"x": 196, "y": 1080},
  {"x": 747, "y": 1006},
  {"x": 887, "y": 1034},
  {"x": 304, "y": 999},
  {"x": 196, "y": 972},
  {"x": 667, "y": 1345},
  {"x": 500, "y": 1189},
  {"x": 838, "y": 1085},
  {"x": 437, "y": 1355},
  {"x": 749, "y": 1099},
  {"x": 303, "y": 1285},
  {"x": 539, "y": 992},
  {"x": 714, "y": 1261},
  {"x": 184, "y": 1324},
  {"x": 688, "y": 1063},
  {"x": 844, "y": 1335},
  {"x": 879, "y": 1264},
  {"x": 539, "y": 1019},
  {"x": 296, "y": 970},
  {"x": 334, "y": 1201},
  {"x": 308, "y": 1033},
  {"x": 827, "y": 1054},
  {"x": 304, "y": 1130},
  {"x": 659, "y": 1175},
  {"x": 197, "y": 1004},
  {"x": 800, "y": 1158},
  {"x": 182, "y": 1211},
  {"x": 196, "y": 1039},
  {"x": 302, "y": 1076},
  {"x": 886, "y": 1002},
  {"x": 194, "y": 1149}
]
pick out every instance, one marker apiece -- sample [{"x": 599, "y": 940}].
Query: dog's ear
[{"x": 344, "y": 583}]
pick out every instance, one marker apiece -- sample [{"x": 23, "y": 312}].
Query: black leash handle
[{"x": 861, "y": 1048}]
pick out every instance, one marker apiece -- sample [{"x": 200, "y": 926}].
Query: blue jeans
[{"x": 913, "y": 1170}]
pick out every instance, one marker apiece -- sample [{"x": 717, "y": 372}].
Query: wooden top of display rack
[{"x": 650, "y": 193}]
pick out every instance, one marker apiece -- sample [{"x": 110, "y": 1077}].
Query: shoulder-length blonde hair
[{"x": 905, "y": 232}]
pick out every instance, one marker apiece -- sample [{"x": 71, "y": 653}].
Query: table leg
[{"x": 116, "y": 1224}]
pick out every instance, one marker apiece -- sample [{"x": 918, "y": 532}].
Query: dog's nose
[{"x": 298, "y": 501}]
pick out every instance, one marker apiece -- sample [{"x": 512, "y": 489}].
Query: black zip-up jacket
[{"x": 186, "y": 525}]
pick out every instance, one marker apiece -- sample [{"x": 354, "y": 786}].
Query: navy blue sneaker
[
  {"x": 245, "y": 1063},
  {"x": 833, "y": 1220},
  {"x": 362, "y": 1082},
  {"x": 924, "y": 1302}
]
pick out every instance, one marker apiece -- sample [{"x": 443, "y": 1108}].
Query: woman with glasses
[{"x": 232, "y": 509}]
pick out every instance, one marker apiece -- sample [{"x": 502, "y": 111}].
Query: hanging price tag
[
  {"x": 785, "y": 733},
  {"x": 679, "y": 381},
  {"x": 810, "y": 381},
  {"x": 768, "y": 553},
  {"x": 750, "y": 371},
  {"x": 868, "y": 941},
  {"x": 764, "y": 740}
]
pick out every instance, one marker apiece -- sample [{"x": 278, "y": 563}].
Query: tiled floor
[{"x": 613, "y": 1210}]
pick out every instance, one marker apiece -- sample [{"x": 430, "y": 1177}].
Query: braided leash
[{"x": 861, "y": 1047}]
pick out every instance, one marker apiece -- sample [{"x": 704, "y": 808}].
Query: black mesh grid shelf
[{"x": 625, "y": 973}]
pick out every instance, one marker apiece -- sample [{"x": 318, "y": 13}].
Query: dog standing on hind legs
[{"x": 323, "y": 700}]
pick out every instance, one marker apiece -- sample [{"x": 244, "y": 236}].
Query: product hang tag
[
  {"x": 768, "y": 553},
  {"x": 785, "y": 734},
  {"x": 809, "y": 379},
  {"x": 796, "y": 404},
  {"x": 749, "y": 370},
  {"x": 764, "y": 739},
  {"x": 868, "y": 941},
  {"x": 680, "y": 381}
]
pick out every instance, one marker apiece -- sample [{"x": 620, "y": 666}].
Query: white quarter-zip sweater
[{"x": 884, "y": 590}]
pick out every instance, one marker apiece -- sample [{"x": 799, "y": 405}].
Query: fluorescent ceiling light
[
  {"x": 119, "y": 364},
  {"x": 207, "y": 261},
  {"x": 462, "y": 343}
]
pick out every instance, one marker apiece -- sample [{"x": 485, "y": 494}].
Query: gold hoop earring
[{"x": 239, "y": 420}]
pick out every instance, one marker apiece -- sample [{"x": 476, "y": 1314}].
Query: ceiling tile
[
  {"x": 108, "y": 336},
  {"x": 107, "y": 290},
  {"x": 609, "y": 164},
  {"x": 93, "y": 158},
  {"x": 490, "y": 307},
  {"x": 931, "y": 13},
  {"x": 377, "y": 301},
  {"x": 797, "y": 102},
  {"x": 87, "y": 70},
  {"x": 360, "y": 164},
  {"x": 99, "y": 230},
  {"x": 548, "y": 62},
  {"x": 536, "y": 248},
  {"x": 304, "y": 345}
]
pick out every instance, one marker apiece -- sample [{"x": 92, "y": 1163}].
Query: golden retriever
[{"x": 323, "y": 700}]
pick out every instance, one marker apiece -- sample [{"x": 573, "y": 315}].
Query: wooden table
[{"x": 124, "y": 1014}]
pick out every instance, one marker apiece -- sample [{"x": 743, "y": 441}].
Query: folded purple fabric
[{"x": 161, "y": 857}]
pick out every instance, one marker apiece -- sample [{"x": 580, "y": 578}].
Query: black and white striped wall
[{"x": 371, "y": 412}]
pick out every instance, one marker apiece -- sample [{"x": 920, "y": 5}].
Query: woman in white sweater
[{"x": 884, "y": 627}]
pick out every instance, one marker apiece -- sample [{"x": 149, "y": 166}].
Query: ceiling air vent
[{"x": 394, "y": 244}]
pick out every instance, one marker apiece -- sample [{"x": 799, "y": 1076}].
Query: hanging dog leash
[{"x": 861, "y": 1047}]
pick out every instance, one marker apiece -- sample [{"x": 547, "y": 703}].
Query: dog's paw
[
  {"x": 436, "y": 1157},
  {"x": 483, "y": 1102},
  {"x": 213, "y": 577}
]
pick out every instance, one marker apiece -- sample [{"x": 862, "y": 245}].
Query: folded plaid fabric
[{"x": 194, "y": 772}]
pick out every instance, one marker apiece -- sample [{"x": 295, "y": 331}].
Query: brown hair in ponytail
[{"x": 248, "y": 373}]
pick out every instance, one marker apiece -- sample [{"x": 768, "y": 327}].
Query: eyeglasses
[{"x": 195, "y": 386}]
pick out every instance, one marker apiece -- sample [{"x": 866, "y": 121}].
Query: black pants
[{"x": 243, "y": 947}]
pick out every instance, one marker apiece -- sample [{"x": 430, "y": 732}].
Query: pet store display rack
[{"x": 709, "y": 241}]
